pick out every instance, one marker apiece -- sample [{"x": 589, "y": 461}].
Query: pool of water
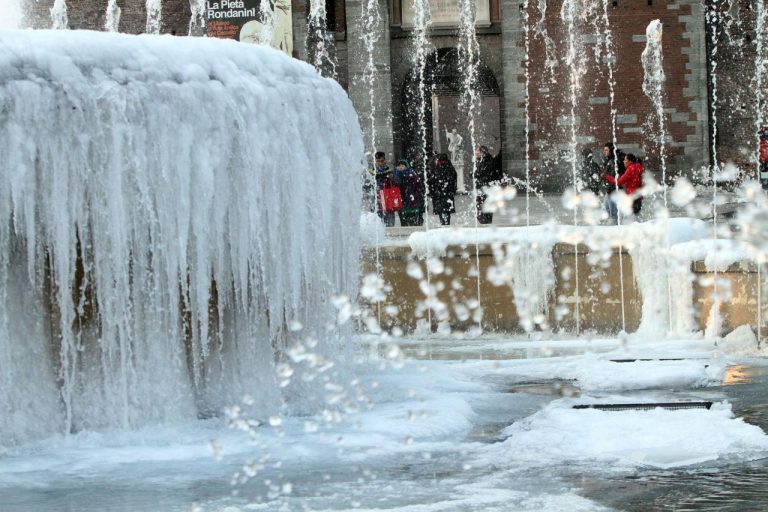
[
  {"x": 432, "y": 441},
  {"x": 722, "y": 487}
]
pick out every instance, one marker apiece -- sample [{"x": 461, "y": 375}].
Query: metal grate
[{"x": 646, "y": 407}]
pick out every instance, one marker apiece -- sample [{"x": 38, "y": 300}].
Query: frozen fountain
[{"x": 160, "y": 248}]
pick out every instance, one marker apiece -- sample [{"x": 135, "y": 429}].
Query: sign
[
  {"x": 243, "y": 20},
  {"x": 445, "y": 13}
]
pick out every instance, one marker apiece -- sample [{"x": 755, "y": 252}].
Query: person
[
  {"x": 383, "y": 175},
  {"x": 610, "y": 169},
  {"x": 631, "y": 181},
  {"x": 486, "y": 174},
  {"x": 590, "y": 172},
  {"x": 442, "y": 188},
  {"x": 411, "y": 185}
]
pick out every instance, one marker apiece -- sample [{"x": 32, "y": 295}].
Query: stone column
[
  {"x": 696, "y": 148},
  {"x": 371, "y": 97},
  {"x": 513, "y": 55},
  {"x": 299, "y": 13}
]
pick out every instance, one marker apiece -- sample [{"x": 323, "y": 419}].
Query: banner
[{"x": 243, "y": 20}]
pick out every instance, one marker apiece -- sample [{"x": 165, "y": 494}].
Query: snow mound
[
  {"x": 611, "y": 376},
  {"x": 742, "y": 342},
  {"x": 657, "y": 438}
]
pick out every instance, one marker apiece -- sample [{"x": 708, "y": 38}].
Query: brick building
[{"x": 557, "y": 85}]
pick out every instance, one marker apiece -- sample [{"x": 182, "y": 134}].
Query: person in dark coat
[
  {"x": 412, "y": 191},
  {"x": 590, "y": 172},
  {"x": 442, "y": 181},
  {"x": 613, "y": 166},
  {"x": 487, "y": 173},
  {"x": 383, "y": 175}
]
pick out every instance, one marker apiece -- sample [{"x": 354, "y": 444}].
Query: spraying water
[
  {"x": 197, "y": 17},
  {"x": 570, "y": 13},
  {"x": 154, "y": 16},
  {"x": 112, "y": 22},
  {"x": 549, "y": 43},
  {"x": 371, "y": 20},
  {"x": 653, "y": 87},
  {"x": 610, "y": 61},
  {"x": 421, "y": 46},
  {"x": 155, "y": 256},
  {"x": 317, "y": 33},
  {"x": 713, "y": 17},
  {"x": 59, "y": 19},
  {"x": 470, "y": 100},
  {"x": 268, "y": 19}
]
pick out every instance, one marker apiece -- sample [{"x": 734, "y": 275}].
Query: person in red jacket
[{"x": 631, "y": 181}]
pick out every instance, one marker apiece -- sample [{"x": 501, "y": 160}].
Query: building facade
[{"x": 553, "y": 77}]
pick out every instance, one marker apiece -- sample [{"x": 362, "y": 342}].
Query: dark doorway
[{"x": 445, "y": 114}]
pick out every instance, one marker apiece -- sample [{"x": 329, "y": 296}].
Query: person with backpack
[
  {"x": 384, "y": 180},
  {"x": 631, "y": 181},
  {"x": 411, "y": 185}
]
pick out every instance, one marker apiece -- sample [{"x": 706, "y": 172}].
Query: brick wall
[
  {"x": 91, "y": 15},
  {"x": 687, "y": 97},
  {"x": 552, "y": 88}
]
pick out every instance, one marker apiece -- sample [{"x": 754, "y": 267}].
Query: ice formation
[{"x": 173, "y": 211}]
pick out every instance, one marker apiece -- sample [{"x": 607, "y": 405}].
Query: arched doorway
[{"x": 444, "y": 112}]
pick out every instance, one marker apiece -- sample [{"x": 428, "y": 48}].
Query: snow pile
[
  {"x": 138, "y": 172},
  {"x": 658, "y": 437},
  {"x": 435, "y": 242},
  {"x": 742, "y": 342},
  {"x": 612, "y": 376}
]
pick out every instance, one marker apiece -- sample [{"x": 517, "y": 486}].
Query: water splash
[
  {"x": 421, "y": 45},
  {"x": 197, "y": 17},
  {"x": 319, "y": 39},
  {"x": 653, "y": 87},
  {"x": 540, "y": 28},
  {"x": 371, "y": 20},
  {"x": 610, "y": 61},
  {"x": 59, "y": 18},
  {"x": 469, "y": 54},
  {"x": 112, "y": 22},
  {"x": 154, "y": 16},
  {"x": 574, "y": 13},
  {"x": 268, "y": 19}
]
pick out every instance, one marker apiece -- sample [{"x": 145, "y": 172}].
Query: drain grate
[
  {"x": 647, "y": 406},
  {"x": 660, "y": 359}
]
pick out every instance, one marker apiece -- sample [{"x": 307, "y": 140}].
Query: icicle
[{"x": 150, "y": 226}]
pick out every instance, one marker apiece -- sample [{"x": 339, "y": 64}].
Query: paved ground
[{"x": 549, "y": 208}]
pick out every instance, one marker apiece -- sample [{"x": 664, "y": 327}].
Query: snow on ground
[{"x": 658, "y": 437}]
